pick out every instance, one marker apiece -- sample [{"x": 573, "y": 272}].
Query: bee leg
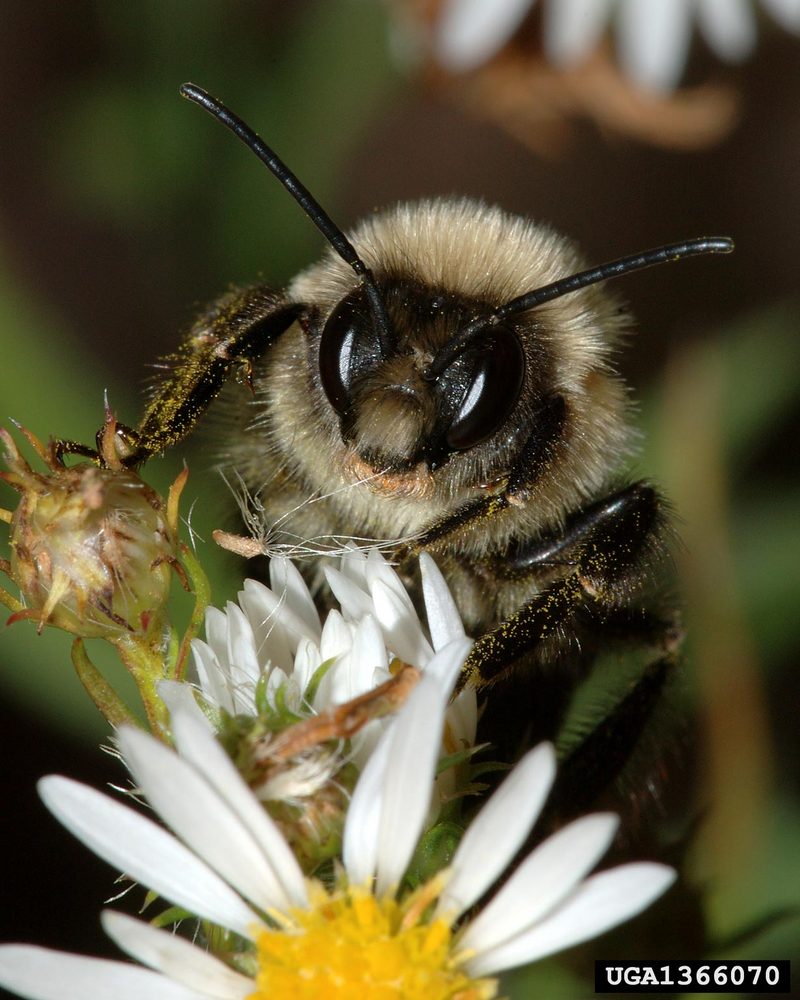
[
  {"x": 608, "y": 549},
  {"x": 661, "y": 630},
  {"x": 596, "y": 763},
  {"x": 611, "y": 545},
  {"x": 61, "y": 448},
  {"x": 234, "y": 331}
]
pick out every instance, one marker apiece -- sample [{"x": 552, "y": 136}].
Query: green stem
[
  {"x": 202, "y": 593},
  {"x": 10, "y": 601},
  {"x": 111, "y": 706},
  {"x": 145, "y": 662}
]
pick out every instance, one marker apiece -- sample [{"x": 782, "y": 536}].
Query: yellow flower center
[{"x": 351, "y": 944}]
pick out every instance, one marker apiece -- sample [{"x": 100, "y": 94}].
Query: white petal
[
  {"x": 377, "y": 569},
  {"x": 444, "y": 621},
  {"x": 367, "y": 847},
  {"x": 362, "y": 668},
  {"x": 286, "y": 580},
  {"x": 543, "y": 881},
  {"x": 785, "y": 12},
  {"x": 306, "y": 662},
  {"x": 197, "y": 745},
  {"x": 572, "y": 28},
  {"x": 175, "y": 957},
  {"x": 217, "y": 633},
  {"x": 276, "y": 680},
  {"x": 272, "y": 642},
  {"x": 354, "y": 602},
  {"x": 335, "y": 644},
  {"x": 244, "y": 667},
  {"x": 273, "y": 609},
  {"x": 471, "y": 31},
  {"x": 597, "y": 905},
  {"x": 179, "y": 697},
  {"x": 334, "y": 688},
  {"x": 353, "y": 564},
  {"x": 145, "y": 852},
  {"x": 416, "y": 739},
  {"x": 42, "y": 974},
  {"x": 199, "y": 815},
  {"x": 499, "y": 830},
  {"x": 654, "y": 38},
  {"x": 400, "y": 626},
  {"x": 370, "y": 659},
  {"x": 729, "y": 27},
  {"x": 447, "y": 663},
  {"x": 462, "y": 718},
  {"x": 210, "y": 676},
  {"x": 362, "y": 823},
  {"x": 336, "y": 638}
]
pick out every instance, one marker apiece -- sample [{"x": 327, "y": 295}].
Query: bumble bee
[{"x": 443, "y": 380}]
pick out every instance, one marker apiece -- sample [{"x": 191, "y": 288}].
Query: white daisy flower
[
  {"x": 274, "y": 640},
  {"x": 653, "y": 36},
  {"x": 227, "y": 863},
  {"x": 311, "y": 697}
]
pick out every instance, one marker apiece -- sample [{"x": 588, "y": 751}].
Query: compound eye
[
  {"x": 493, "y": 392},
  {"x": 346, "y": 349}
]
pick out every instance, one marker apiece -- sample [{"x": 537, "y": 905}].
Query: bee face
[
  {"x": 391, "y": 411},
  {"x": 440, "y": 266}
]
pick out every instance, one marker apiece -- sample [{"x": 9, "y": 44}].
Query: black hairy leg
[
  {"x": 232, "y": 333},
  {"x": 602, "y": 558},
  {"x": 229, "y": 336}
]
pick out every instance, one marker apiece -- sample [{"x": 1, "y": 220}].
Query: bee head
[
  {"x": 446, "y": 328},
  {"x": 471, "y": 324}
]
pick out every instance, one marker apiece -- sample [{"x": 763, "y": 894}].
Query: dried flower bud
[{"x": 91, "y": 548}]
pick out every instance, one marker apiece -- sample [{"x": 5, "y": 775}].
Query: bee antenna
[
  {"x": 305, "y": 200},
  {"x": 530, "y": 300}
]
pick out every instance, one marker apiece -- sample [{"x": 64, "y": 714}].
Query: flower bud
[{"x": 91, "y": 548}]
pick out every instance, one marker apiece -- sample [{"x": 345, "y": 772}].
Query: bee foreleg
[{"x": 234, "y": 331}]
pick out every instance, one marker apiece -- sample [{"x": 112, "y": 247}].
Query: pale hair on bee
[{"x": 271, "y": 539}]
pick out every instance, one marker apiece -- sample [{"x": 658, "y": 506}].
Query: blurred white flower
[
  {"x": 653, "y": 37},
  {"x": 228, "y": 863},
  {"x": 470, "y": 32}
]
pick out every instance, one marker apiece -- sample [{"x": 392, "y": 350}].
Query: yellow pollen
[{"x": 351, "y": 944}]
